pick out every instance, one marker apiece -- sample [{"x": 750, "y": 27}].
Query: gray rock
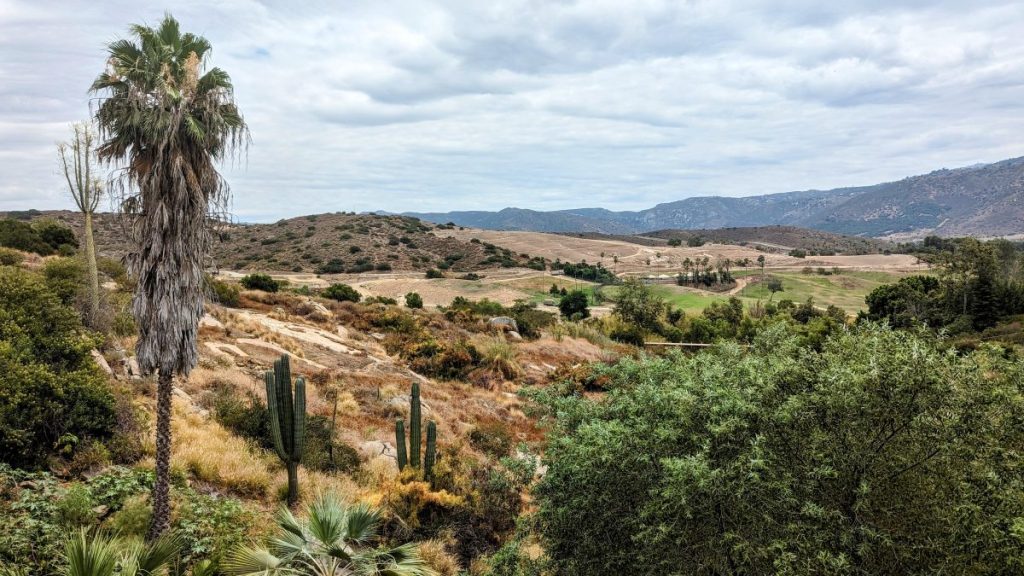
[
  {"x": 101, "y": 362},
  {"x": 374, "y": 448},
  {"x": 503, "y": 323}
]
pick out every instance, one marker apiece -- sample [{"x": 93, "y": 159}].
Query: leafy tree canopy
[{"x": 878, "y": 454}]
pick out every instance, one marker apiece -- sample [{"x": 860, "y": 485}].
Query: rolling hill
[
  {"x": 323, "y": 243},
  {"x": 980, "y": 200},
  {"x": 766, "y": 238}
]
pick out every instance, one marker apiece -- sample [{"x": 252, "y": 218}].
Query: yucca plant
[
  {"x": 334, "y": 539},
  {"x": 99, "y": 554}
]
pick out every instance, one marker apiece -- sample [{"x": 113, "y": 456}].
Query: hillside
[
  {"x": 780, "y": 238},
  {"x": 325, "y": 243},
  {"x": 981, "y": 200},
  {"x": 768, "y": 238}
]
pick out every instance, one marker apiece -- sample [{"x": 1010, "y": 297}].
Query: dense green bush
[
  {"x": 65, "y": 277},
  {"x": 52, "y": 395},
  {"x": 878, "y": 454},
  {"x": 260, "y": 282},
  {"x": 434, "y": 273},
  {"x": 413, "y": 300},
  {"x": 341, "y": 293},
  {"x": 10, "y": 257},
  {"x": 225, "y": 294},
  {"x": 43, "y": 237},
  {"x": 573, "y": 305},
  {"x": 333, "y": 266}
]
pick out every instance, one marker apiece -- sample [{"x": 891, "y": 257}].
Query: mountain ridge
[{"x": 976, "y": 200}]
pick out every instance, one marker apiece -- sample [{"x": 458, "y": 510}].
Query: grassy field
[{"x": 845, "y": 290}]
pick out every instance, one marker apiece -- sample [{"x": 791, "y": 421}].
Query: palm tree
[
  {"x": 76, "y": 161},
  {"x": 103, "y": 555},
  {"x": 166, "y": 124},
  {"x": 334, "y": 540},
  {"x": 760, "y": 260}
]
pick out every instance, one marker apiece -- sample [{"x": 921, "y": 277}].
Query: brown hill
[{"x": 324, "y": 243}]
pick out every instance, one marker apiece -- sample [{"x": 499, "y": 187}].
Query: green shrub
[
  {"x": 628, "y": 334},
  {"x": 434, "y": 273},
  {"x": 879, "y": 454},
  {"x": 413, "y": 300},
  {"x": 226, "y": 294},
  {"x": 43, "y": 237},
  {"x": 133, "y": 518},
  {"x": 65, "y": 277},
  {"x": 10, "y": 257},
  {"x": 74, "y": 509},
  {"x": 114, "y": 270},
  {"x": 341, "y": 293},
  {"x": 332, "y": 266},
  {"x": 260, "y": 282},
  {"x": 49, "y": 385},
  {"x": 385, "y": 300},
  {"x": 574, "y": 305}
]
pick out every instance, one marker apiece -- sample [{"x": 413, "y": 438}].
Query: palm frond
[
  {"x": 327, "y": 520},
  {"x": 156, "y": 556},
  {"x": 362, "y": 523},
  {"x": 246, "y": 561}
]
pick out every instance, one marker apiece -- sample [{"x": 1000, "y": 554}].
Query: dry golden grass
[
  {"x": 203, "y": 378},
  {"x": 211, "y": 453},
  {"x": 435, "y": 556},
  {"x": 313, "y": 483}
]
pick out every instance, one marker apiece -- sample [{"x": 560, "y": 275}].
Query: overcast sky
[{"x": 437, "y": 106}]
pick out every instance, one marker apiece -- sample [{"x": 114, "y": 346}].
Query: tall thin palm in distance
[
  {"x": 166, "y": 124},
  {"x": 335, "y": 539}
]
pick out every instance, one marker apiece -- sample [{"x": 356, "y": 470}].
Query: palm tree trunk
[
  {"x": 161, "y": 486},
  {"x": 94, "y": 278}
]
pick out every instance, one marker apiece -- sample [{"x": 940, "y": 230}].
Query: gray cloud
[{"x": 446, "y": 104}]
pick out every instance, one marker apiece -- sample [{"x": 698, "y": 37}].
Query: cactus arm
[
  {"x": 300, "y": 419},
  {"x": 414, "y": 427},
  {"x": 403, "y": 458},
  {"x": 430, "y": 458},
  {"x": 272, "y": 407}
]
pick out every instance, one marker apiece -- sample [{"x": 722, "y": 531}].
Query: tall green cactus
[
  {"x": 431, "y": 456},
  {"x": 412, "y": 457},
  {"x": 414, "y": 426},
  {"x": 287, "y": 406},
  {"x": 403, "y": 458}
]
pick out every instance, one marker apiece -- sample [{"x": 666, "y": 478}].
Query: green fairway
[{"x": 845, "y": 290}]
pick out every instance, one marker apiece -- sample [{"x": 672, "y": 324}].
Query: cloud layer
[{"x": 445, "y": 105}]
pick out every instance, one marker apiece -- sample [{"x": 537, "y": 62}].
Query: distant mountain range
[{"x": 980, "y": 200}]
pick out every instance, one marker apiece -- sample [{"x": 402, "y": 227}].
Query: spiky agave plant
[
  {"x": 166, "y": 123},
  {"x": 335, "y": 538}
]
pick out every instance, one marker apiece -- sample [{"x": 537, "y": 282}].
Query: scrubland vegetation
[{"x": 174, "y": 421}]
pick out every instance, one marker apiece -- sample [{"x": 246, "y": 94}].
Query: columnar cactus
[
  {"x": 414, "y": 426},
  {"x": 287, "y": 406},
  {"x": 412, "y": 457},
  {"x": 403, "y": 458},
  {"x": 431, "y": 456}
]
